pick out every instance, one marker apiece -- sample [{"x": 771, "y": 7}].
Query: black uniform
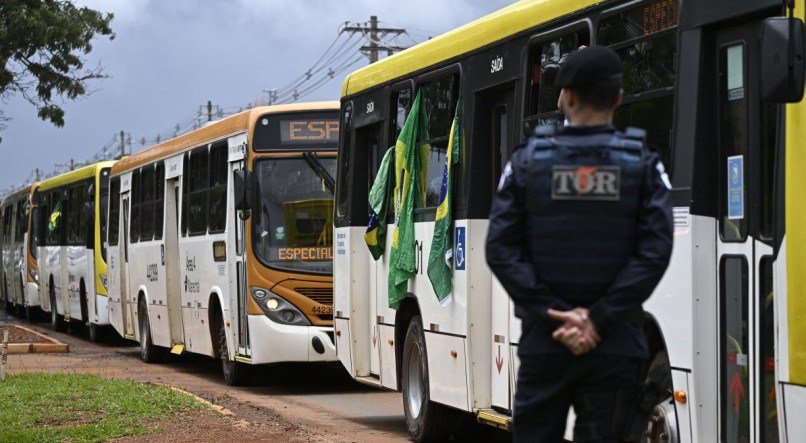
[{"x": 582, "y": 218}]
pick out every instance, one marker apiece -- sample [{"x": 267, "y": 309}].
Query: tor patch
[{"x": 592, "y": 183}]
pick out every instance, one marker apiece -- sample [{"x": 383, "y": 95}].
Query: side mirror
[
  {"x": 89, "y": 223},
  {"x": 240, "y": 184},
  {"x": 783, "y": 71}
]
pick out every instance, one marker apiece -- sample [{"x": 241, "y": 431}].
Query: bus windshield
[{"x": 292, "y": 228}]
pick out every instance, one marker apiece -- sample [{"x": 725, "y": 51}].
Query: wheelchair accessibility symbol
[{"x": 460, "y": 248}]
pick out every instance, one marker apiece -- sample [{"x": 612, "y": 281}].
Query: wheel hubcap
[
  {"x": 660, "y": 428},
  {"x": 415, "y": 385}
]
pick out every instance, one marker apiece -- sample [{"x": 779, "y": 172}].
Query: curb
[
  {"x": 217, "y": 408},
  {"x": 54, "y": 346}
]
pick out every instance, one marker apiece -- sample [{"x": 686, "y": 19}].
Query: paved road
[{"x": 320, "y": 396}]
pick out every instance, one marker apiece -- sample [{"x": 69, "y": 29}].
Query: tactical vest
[{"x": 583, "y": 204}]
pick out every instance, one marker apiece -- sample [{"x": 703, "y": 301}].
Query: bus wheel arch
[
  {"x": 235, "y": 373},
  {"x": 149, "y": 352},
  {"x": 56, "y": 321},
  {"x": 662, "y": 425},
  {"x": 408, "y": 309}
]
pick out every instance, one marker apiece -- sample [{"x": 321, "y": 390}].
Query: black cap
[{"x": 589, "y": 65}]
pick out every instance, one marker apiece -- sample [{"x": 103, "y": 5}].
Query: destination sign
[
  {"x": 305, "y": 254},
  {"x": 307, "y": 131},
  {"x": 660, "y": 16}
]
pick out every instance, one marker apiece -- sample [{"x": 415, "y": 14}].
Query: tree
[{"x": 42, "y": 45}]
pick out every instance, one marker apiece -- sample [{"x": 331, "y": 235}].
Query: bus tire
[
  {"x": 96, "y": 333},
  {"x": 426, "y": 420},
  {"x": 149, "y": 352},
  {"x": 235, "y": 373},
  {"x": 56, "y": 321},
  {"x": 662, "y": 425}
]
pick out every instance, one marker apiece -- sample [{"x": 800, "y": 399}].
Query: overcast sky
[{"x": 170, "y": 57}]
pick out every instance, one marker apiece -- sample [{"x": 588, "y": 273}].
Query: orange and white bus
[{"x": 219, "y": 240}]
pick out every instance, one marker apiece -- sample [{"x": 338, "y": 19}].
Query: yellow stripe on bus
[{"x": 511, "y": 20}]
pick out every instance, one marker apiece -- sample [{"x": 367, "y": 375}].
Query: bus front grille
[{"x": 322, "y": 296}]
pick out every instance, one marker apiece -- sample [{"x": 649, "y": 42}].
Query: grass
[{"x": 83, "y": 408}]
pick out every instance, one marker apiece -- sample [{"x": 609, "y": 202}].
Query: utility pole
[
  {"x": 375, "y": 34},
  {"x": 209, "y": 111},
  {"x": 122, "y": 144},
  {"x": 38, "y": 175},
  {"x": 72, "y": 164}
]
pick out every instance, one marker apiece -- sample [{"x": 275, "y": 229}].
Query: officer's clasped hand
[{"x": 577, "y": 333}]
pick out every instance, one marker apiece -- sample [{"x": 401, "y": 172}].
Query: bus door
[
  {"x": 237, "y": 264},
  {"x": 495, "y": 117},
  {"x": 745, "y": 138},
  {"x": 125, "y": 308},
  {"x": 172, "y": 276},
  {"x": 368, "y": 142}
]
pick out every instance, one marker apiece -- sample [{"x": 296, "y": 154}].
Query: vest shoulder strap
[{"x": 632, "y": 140}]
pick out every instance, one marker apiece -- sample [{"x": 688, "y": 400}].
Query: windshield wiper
[{"x": 313, "y": 161}]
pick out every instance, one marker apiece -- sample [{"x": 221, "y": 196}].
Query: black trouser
[{"x": 600, "y": 387}]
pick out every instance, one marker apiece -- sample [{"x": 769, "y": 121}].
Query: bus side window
[
  {"x": 185, "y": 181},
  {"x": 159, "y": 200},
  {"x": 218, "y": 187},
  {"x": 197, "y": 191},
  {"x": 546, "y": 58},
  {"x": 114, "y": 212},
  {"x": 147, "y": 204},
  {"x": 648, "y": 48},
  {"x": 401, "y": 104},
  {"x": 439, "y": 98},
  {"x": 342, "y": 187},
  {"x": 134, "y": 224}
]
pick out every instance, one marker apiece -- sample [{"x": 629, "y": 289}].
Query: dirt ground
[{"x": 293, "y": 403}]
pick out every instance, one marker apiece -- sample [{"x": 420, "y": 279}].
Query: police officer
[{"x": 580, "y": 234}]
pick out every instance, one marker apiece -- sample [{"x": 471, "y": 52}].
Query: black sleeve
[
  {"x": 507, "y": 246},
  {"x": 643, "y": 271}
]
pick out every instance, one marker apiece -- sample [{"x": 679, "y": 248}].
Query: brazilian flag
[
  {"x": 55, "y": 217},
  {"x": 378, "y": 206},
  {"x": 411, "y": 154},
  {"x": 440, "y": 259}
]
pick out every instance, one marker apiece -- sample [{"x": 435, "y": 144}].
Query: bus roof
[
  {"x": 242, "y": 121},
  {"x": 74, "y": 175},
  {"x": 508, "y": 21},
  {"x": 16, "y": 195}
]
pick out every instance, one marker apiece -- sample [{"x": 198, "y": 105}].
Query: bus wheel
[
  {"x": 235, "y": 373},
  {"x": 96, "y": 333},
  {"x": 149, "y": 353},
  {"x": 662, "y": 425},
  {"x": 426, "y": 420},
  {"x": 56, "y": 321}
]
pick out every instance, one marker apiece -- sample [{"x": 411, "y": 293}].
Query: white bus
[
  {"x": 20, "y": 277},
  {"x": 727, "y": 321},
  {"x": 220, "y": 240},
  {"x": 69, "y": 225}
]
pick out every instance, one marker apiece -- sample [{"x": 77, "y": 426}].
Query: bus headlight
[
  {"x": 34, "y": 274},
  {"x": 104, "y": 282},
  {"x": 278, "y": 309}
]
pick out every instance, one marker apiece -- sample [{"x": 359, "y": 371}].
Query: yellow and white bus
[
  {"x": 219, "y": 240},
  {"x": 728, "y": 321},
  {"x": 70, "y": 223},
  {"x": 20, "y": 277}
]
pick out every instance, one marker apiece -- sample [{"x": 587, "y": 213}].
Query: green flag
[
  {"x": 409, "y": 149},
  {"x": 440, "y": 259},
  {"x": 378, "y": 206},
  {"x": 55, "y": 217}
]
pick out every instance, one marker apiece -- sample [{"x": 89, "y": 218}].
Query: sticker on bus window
[{"x": 736, "y": 187}]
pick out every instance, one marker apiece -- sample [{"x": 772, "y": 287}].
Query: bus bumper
[
  {"x": 32, "y": 295},
  {"x": 101, "y": 316},
  {"x": 275, "y": 343}
]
